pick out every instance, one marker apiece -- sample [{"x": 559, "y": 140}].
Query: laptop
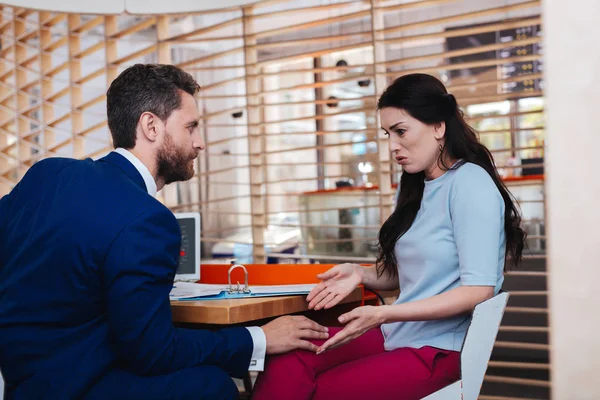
[{"x": 189, "y": 256}]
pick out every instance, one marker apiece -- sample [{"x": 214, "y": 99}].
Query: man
[{"x": 88, "y": 257}]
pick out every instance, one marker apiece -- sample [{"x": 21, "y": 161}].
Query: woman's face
[{"x": 414, "y": 145}]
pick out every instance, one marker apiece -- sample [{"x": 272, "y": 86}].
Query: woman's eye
[{"x": 400, "y": 131}]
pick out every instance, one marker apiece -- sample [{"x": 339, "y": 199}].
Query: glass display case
[{"x": 340, "y": 222}]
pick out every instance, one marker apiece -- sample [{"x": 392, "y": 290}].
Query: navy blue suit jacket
[{"x": 87, "y": 260}]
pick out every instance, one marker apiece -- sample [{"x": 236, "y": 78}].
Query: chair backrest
[{"x": 479, "y": 343}]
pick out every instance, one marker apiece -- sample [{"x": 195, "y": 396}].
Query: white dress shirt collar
[{"x": 142, "y": 169}]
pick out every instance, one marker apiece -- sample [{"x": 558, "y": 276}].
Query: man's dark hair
[{"x": 143, "y": 88}]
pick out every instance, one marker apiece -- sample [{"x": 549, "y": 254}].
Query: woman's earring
[{"x": 441, "y": 148}]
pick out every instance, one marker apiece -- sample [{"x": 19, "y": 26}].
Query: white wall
[{"x": 572, "y": 60}]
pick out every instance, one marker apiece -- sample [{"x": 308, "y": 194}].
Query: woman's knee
[{"x": 281, "y": 362}]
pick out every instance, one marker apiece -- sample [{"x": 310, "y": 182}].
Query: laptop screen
[{"x": 189, "y": 255}]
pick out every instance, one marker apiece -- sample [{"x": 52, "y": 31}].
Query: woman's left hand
[{"x": 358, "y": 321}]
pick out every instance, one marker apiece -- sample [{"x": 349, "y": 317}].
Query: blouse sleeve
[{"x": 477, "y": 213}]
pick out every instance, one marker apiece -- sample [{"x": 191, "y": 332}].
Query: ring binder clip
[{"x": 231, "y": 289}]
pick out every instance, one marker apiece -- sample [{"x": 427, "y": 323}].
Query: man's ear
[
  {"x": 149, "y": 124},
  {"x": 440, "y": 130}
]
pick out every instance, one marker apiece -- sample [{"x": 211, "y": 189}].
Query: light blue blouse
[{"x": 457, "y": 239}]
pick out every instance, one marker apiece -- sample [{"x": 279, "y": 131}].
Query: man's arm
[{"x": 138, "y": 276}]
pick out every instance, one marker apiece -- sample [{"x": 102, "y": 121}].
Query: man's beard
[{"x": 174, "y": 163}]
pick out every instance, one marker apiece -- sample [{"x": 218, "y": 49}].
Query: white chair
[
  {"x": 1, "y": 387},
  {"x": 476, "y": 350}
]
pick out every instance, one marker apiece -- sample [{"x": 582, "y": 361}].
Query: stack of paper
[
  {"x": 182, "y": 290},
  {"x": 201, "y": 291}
]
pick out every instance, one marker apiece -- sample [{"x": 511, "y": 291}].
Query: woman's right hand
[{"x": 336, "y": 283}]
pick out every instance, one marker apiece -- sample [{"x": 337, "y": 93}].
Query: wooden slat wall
[{"x": 273, "y": 132}]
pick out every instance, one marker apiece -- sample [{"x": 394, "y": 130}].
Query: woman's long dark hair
[{"x": 425, "y": 98}]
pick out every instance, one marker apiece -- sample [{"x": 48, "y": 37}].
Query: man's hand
[{"x": 291, "y": 332}]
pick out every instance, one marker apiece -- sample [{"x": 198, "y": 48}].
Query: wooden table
[{"x": 240, "y": 311}]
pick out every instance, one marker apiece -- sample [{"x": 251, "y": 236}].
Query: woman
[{"x": 445, "y": 246}]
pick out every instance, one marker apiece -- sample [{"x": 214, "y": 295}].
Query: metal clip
[{"x": 239, "y": 289}]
